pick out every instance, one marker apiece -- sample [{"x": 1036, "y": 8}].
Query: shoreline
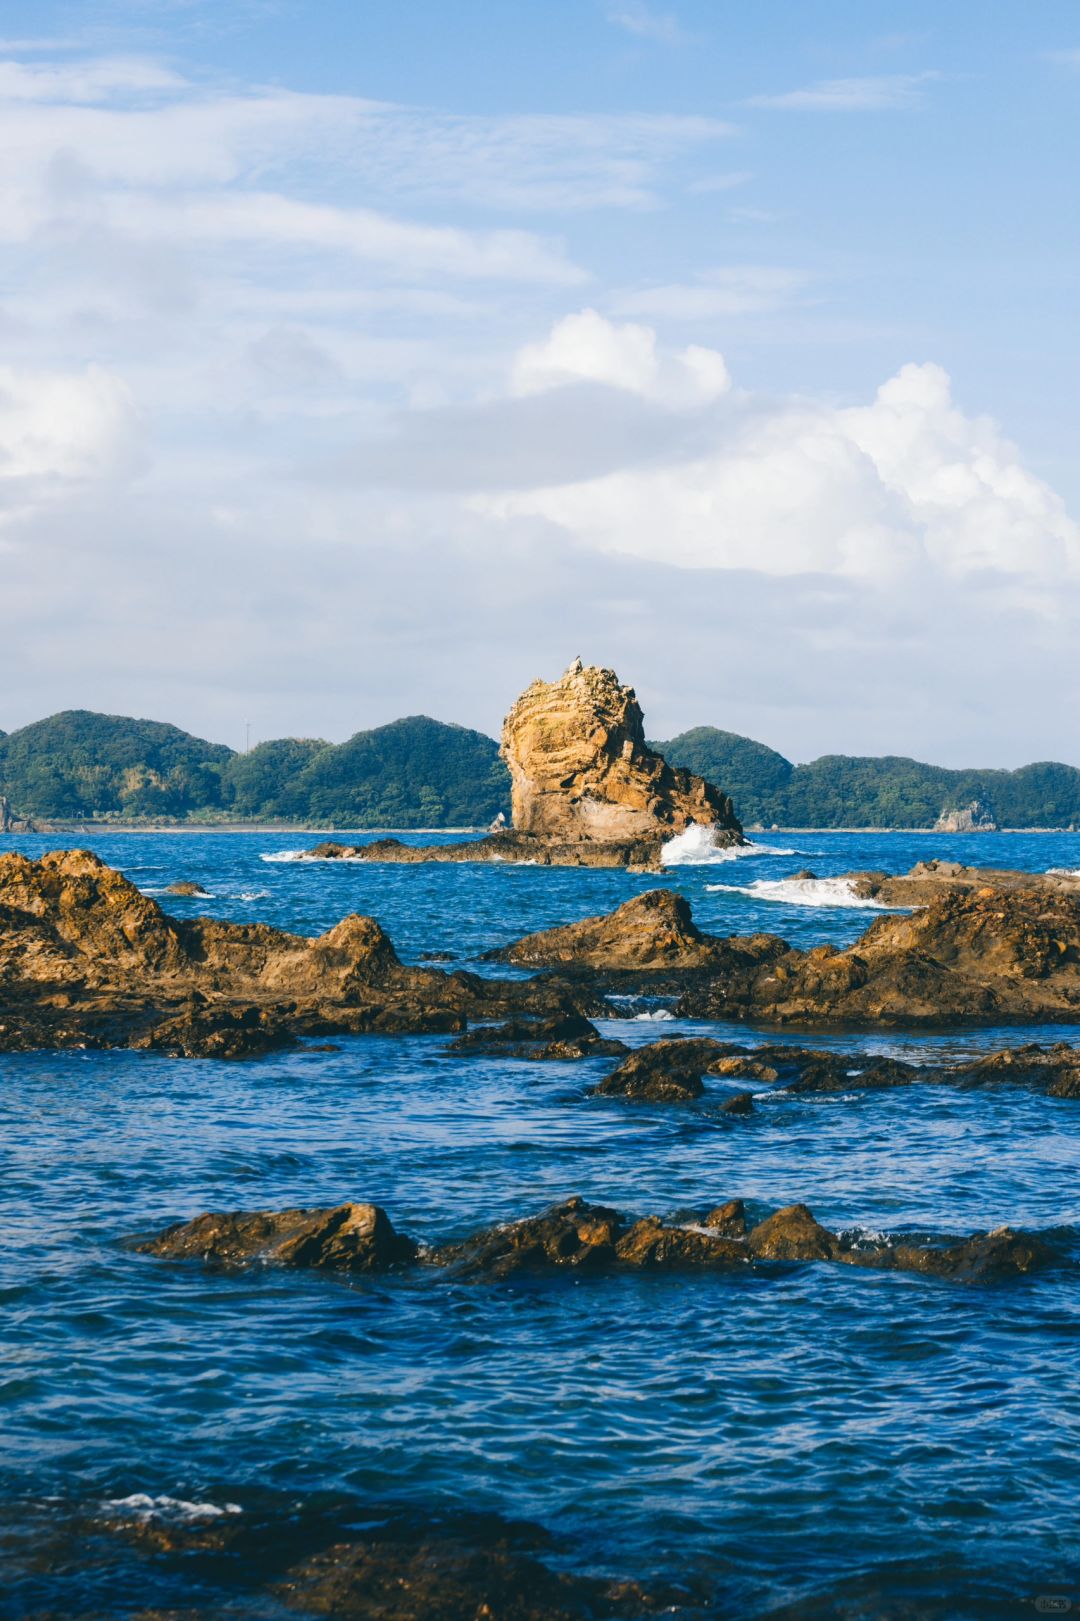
[{"x": 292, "y": 829}]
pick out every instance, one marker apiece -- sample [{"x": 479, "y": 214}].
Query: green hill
[
  {"x": 840, "y": 790},
  {"x": 79, "y": 763},
  {"x": 414, "y": 772}
]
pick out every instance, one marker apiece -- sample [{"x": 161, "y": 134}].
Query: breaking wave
[
  {"x": 807, "y": 892},
  {"x": 285, "y": 855},
  {"x": 696, "y": 846},
  {"x": 141, "y": 1506}
]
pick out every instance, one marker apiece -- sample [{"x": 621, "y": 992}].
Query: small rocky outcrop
[
  {"x": 653, "y": 931},
  {"x": 580, "y": 768},
  {"x": 580, "y": 1237},
  {"x": 664, "y": 1071},
  {"x": 87, "y": 960},
  {"x": 348, "y": 1238},
  {"x": 185, "y": 886},
  {"x": 560, "y": 1036},
  {"x": 972, "y": 818},
  {"x": 929, "y": 880},
  {"x": 10, "y": 822}
]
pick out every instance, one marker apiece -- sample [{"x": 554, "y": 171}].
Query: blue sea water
[{"x": 809, "y": 1440}]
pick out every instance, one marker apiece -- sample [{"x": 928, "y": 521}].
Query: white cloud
[
  {"x": 638, "y": 18},
  {"x": 906, "y": 483},
  {"x": 64, "y": 427},
  {"x": 586, "y": 348},
  {"x": 724, "y": 291},
  {"x": 851, "y": 95}
]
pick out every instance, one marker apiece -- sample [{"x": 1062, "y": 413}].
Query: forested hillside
[
  {"x": 841, "y": 790},
  {"x": 414, "y": 772},
  {"x": 419, "y": 772}
]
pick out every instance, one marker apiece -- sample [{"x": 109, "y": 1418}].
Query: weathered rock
[
  {"x": 664, "y": 1071},
  {"x": 10, "y": 822},
  {"x": 971, "y": 818},
  {"x": 729, "y": 1220},
  {"x": 652, "y": 1245},
  {"x": 1055, "y": 1070},
  {"x": 561, "y": 1036},
  {"x": 571, "y": 1234},
  {"x": 652, "y": 931},
  {"x": 586, "y": 788},
  {"x": 792, "y": 1234},
  {"x": 976, "y": 956},
  {"x": 87, "y": 960},
  {"x": 929, "y": 880},
  {"x": 509, "y": 847},
  {"x": 578, "y": 1237},
  {"x": 347, "y": 1238},
  {"x": 985, "y": 1257},
  {"x": 580, "y": 768},
  {"x": 740, "y": 1105}
]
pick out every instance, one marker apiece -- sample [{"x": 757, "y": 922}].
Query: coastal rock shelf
[
  {"x": 575, "y": 1235},
  {"x": 87, "y": 960},
  {"x": 1005, "y": 949}
]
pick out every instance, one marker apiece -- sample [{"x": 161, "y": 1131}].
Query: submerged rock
[
  {"x": 87, "y": 960},
  {"x": 347, "y": 1238},
  {"x": 575, "y": 1236},
  {"x": 558, "y": 1036}
]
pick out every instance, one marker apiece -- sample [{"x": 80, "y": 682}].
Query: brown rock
[
  {"x": 581, "y": 770},
  {"x": 185, "y": 886},
  {"x": 348, "y": 1238},
  {"x": 664, "y": 1071},
  {"x": 87, "y": 960},
  {"x": 571, "y": 1234},
  {"x": 729, "y": 1220},
  {"x": 560, "y": 1036},
  {"x": 740, "y": 1105},
  {"x": 792, "y": 1234},
  {"x": 652, "y": 1245},
  {"x": 653, "y": 931},
  {"x": 983, "y": 1258}
]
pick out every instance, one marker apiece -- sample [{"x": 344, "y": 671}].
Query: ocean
[{"x": 809, "y": 1441}]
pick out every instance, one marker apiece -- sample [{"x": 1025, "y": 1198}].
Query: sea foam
[
  {"x": 696, "y": 846},
  {"x": 807, "y": 892}
]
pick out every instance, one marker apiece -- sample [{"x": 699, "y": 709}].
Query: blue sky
[{"x": 374, "y": 358}]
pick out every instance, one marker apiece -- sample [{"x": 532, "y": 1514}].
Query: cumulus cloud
[
  {"x": 908, "y": 481},
  {"x": 586, "y": 348}
]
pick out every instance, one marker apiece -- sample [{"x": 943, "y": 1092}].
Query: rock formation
[
  {"x": 10, "y": 822},
  {"x": 350, "y": 1238},
  {"x": 580, "y": 768},
  {"x": 586, "y": 788},
  {"x": 986, "y": 952},
  {"x": 579, "y": 1237},
  {"x": 87, "y": 960},
  {"x": 973, "y": 818},
  {"x": 929, "y": 879},
  {"x": 653, "y": 931}
]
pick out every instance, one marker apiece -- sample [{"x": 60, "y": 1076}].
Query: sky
[{"x": 374, "y": 357}]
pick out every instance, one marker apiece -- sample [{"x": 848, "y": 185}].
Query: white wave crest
[
  {"x": 807, "y": 892},
  {"x": 659, "y": 1016},
  {"x": 142, "y": 1506},
  {"x": 696, "y": 846},
  {"x": 285, "y": 855},
  {"x": 1063, "y": 872}
]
